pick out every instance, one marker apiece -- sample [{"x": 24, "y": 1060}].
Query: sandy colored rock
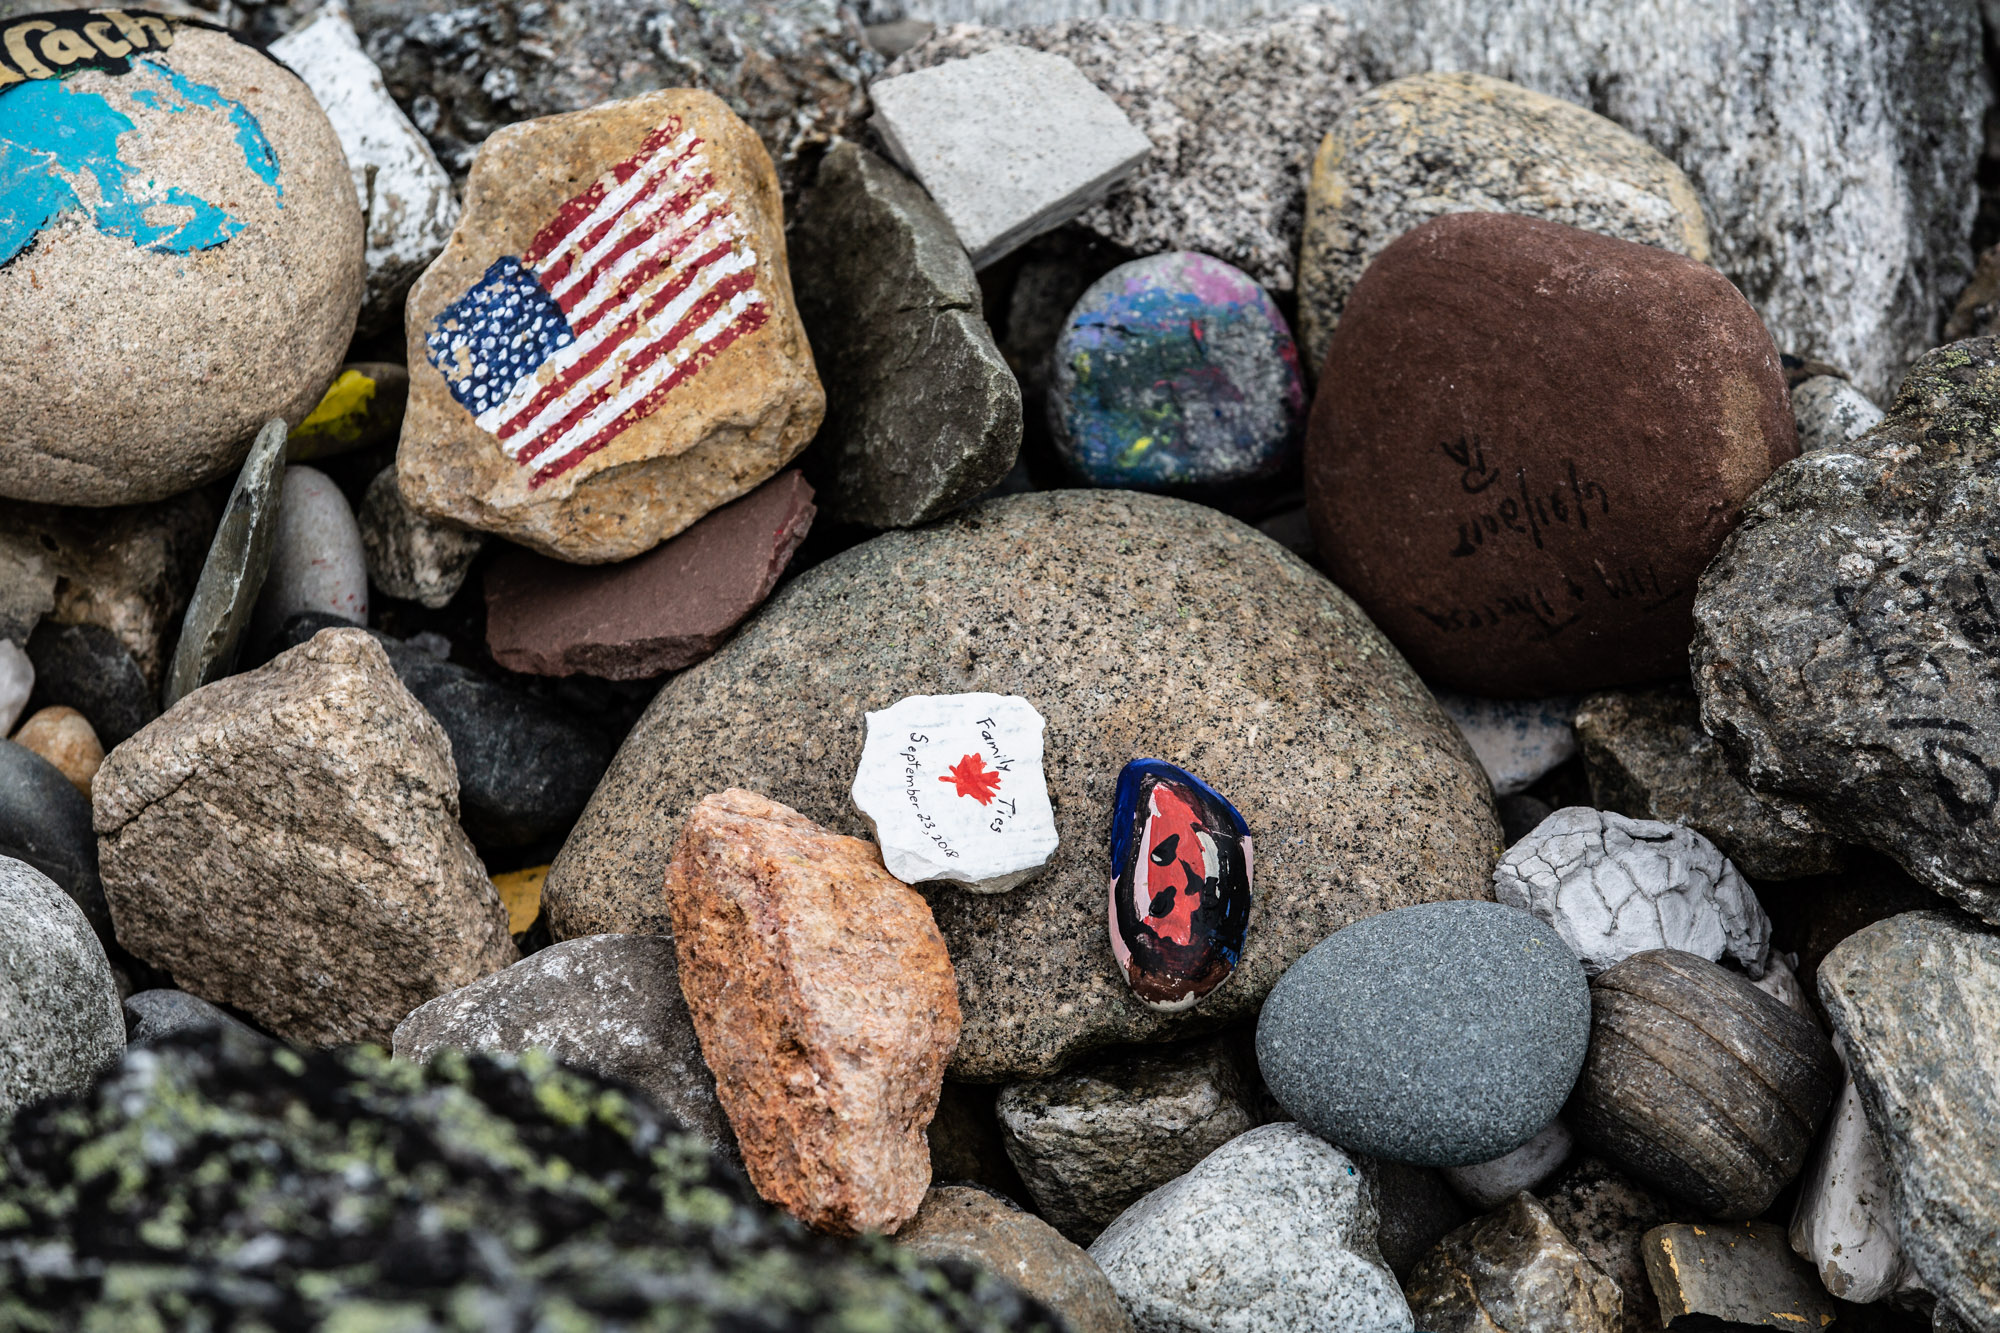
[
  {"x": 1512, "y": 1271},
  {"x": 957, "y": 1222},
  {"x": 1137, "y": 626},
  {"x": 286, "y": 841},
  {"x": 64, "y": 738},
  {"x": 140, "y": 353},
  {"x": 825, "y": 1004},
  {"x": 686, "y": 395},
  {"x": 1452, "y": 142}
]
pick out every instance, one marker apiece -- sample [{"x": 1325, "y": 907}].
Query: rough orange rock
[{"x": 825, "y": 1003}]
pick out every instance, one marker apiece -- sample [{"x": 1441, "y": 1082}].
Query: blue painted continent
[{"x": 53, "y": 135}]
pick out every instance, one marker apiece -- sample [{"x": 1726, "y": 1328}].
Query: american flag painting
[{"x": 632, "y": 288}]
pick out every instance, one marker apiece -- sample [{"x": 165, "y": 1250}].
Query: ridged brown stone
[
  {"x": 1700, "y": 1083},
  {"x": 1528, "y": 442}
]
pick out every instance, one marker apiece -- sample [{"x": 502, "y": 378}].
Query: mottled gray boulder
[
  {"x": 922, "y": 413},
  {"x": 59, "y": 1020},
  {"x": 408, "y": 555},
  {"x": 1370, "y": 796},
  {"x": 1453, "y": 142},
  {"x": 1830, "y": 412},
  {"x": 1272, "y": 1232},
  {"x": 152, "y": 1015},
  {"x": 1613, "y": 887},
  {"x": 1513, "y": 1271},
  {"x": 1234, "y": 115},
  {"x": 1844, "y": 636},
  {"x": 1915, "y": 1004},
  {"x": 231, "y": 578},
  {"x": 1849, "y": 228},
  {"x": 610, "y": 1004},
  {"x": 1089, "y": 1143},
  {"x": 27, "y": 586},
  {"x": 1647, "y": 756},
  {"x": 794, "y": 69}
]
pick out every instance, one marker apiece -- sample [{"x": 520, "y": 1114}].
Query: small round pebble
[
  {"x": 317, "y": 560},
  {"x": 1442, "y": 1034},
  {"x": 65, "y": 738},
  {"x": 1176, "y": 369},
  {"x": 17, "y": 682}
]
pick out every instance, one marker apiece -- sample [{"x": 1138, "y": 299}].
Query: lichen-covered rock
[
  {"x": 1915, "y": 1003},
  {"x": 59, "y": 1020},
  {"x": 1613, "y": 887},
  {"x": 1845, "y": 633},
  {"x": 1453, "y": 142},
  {"x": 477, "y": 1193},
  {"x": 1647, "y": 757},
  {"x": 1214, "y": 631},
  {"x": 1513, "y": 1271},
  {"x": 794, "y": 69},
  {"x": 1090, "y": 1142},
  {"x": 958, "y": 1222},
  {"x": 1233, "y": 114},
  {"x": 286, "y": 841}
]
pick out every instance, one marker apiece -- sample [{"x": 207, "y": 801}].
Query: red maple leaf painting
[{"x": 972, "y": 778}]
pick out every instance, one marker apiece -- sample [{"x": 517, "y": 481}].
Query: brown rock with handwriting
[{"x": 1529, "y": 440}]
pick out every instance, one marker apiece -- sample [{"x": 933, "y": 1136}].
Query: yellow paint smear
[
  {"x": 342, "y": 406},
  {"x": 521, "y": 894}
]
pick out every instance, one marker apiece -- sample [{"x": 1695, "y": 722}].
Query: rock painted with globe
[
  {"x": 180, "y": 254},
  {"x": 1172, "y": 370},
  {"x": 608, "y": 347},
  {"x": 1180, "y": 884},
  {"x": 953, "y": 786}
]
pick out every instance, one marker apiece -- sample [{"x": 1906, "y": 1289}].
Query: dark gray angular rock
[
  {"x": 85, "y": 667},
  {"x": 1442, "y": 1034},
  {"x": 59, "y": 1019},
  {"x": 233, "y": 575},
  {"x": 45, "y": 823},
  {"x": 1846, "y": 635},
  {"x": 1915, "y": 1004},
  {"x": 1416, "y": 1208},
  {"x": 609, "y": 1004},
  {"x": 155, "y": 1015},
  {"x": 794, "y": 69},
  {"x": 922, "y": 413},
  {"x": 1648, "y": 757},
  {"x": 1733, "y": 1277}
]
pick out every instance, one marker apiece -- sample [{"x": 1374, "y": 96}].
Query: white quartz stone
[
  {"x": 953, "y": 787},
  {"x": 1516, "y": 740},
  {"x": 1010, "y": 143},
  {"x": 17, "y": 682},
  {"x": 404, "y": 191},
  {"x": 1845, "y": 1224},
  {"x": 1613, "y": 887},
  {"x": 1487, "y": 1185}
]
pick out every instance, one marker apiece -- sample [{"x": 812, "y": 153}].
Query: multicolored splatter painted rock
[
  {"x": 1176, "y": 369},
  {"x": 1180, "y": 884}
]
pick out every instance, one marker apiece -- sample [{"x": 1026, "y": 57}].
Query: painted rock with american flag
[{"x": 608, "y": 348}]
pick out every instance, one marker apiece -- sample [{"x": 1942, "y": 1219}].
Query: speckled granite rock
[
  {"x": 1606, "y": 1214},
  {"x": 1830, "y": 412},
  {"x": 958, "y": 1222},
  {"x": 1220, "y": 652},
  {"x": 154, "y": 326},
  {"x": 411, "y": 556},
  {"x": 59, "y": 1020},
  {"x": 1648, "y": 757},
  {"x": 1850, "y": 240},
  {"x": 1873, "y": 563},
  {"x": 609, "y": 1004},
  {"x": 1233, "y": 115},
  {"x": 482, "y": 1192},
  {"x": 922, "y": 412},
  {"x": 1274, "y": 1231},
  {"x": 1452, "y": 142},
  {"x": 1915, "y": 1002},
  {"x": 793, "y": 69},
  {"x": 1512, "y": 1271},
  {"x": 274, "y": 856},
  {"x": 1089, "y": 1142}
]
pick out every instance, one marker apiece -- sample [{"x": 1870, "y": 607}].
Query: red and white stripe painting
[{"x": 656, "y": 276}]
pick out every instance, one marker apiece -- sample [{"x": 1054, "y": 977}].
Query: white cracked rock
[
  {"x": 1613, "y": 887},
  {"x": 953, "y": 786},
  {"x": 405, "y": 195},
  {"x": 1517, "y": 740},
  {"x": 1273, "y": 1231}
]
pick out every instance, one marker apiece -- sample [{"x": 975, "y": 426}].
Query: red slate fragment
[{"x": 658, "y": 612}]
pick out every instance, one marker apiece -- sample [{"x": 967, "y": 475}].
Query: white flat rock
[
  {"x": 953, "y": 786},
  {"x": 1487, "y": 1185},
  {"x": 1010, "y": 143},
  {"x": 1845, "y": 1224}
]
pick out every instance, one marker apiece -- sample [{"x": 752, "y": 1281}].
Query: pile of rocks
[{"x": 1218, "y": 678}]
